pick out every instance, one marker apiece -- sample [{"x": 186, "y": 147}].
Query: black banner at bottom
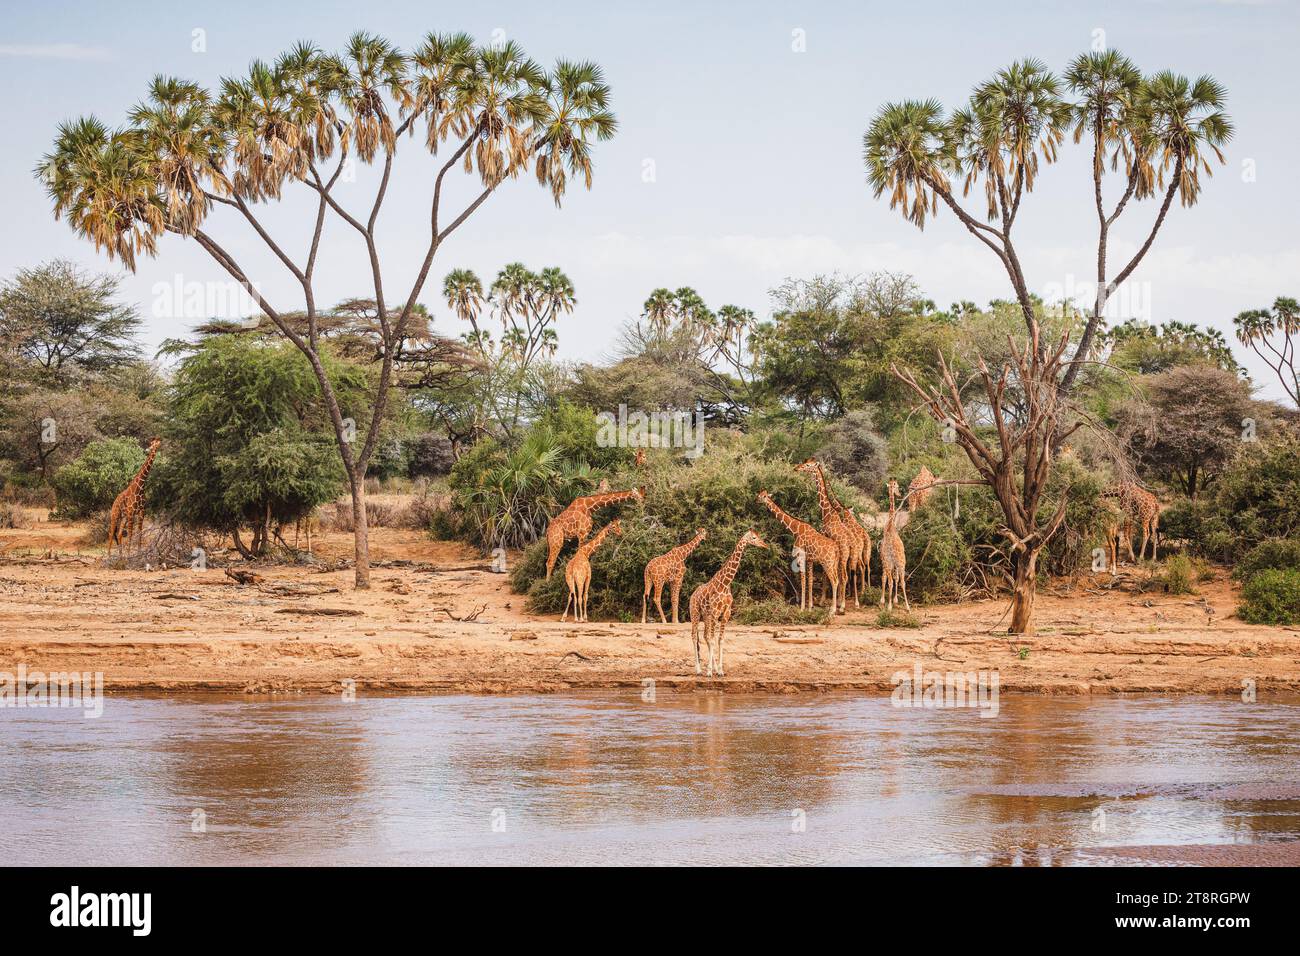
[{"x": 298, "y": 905}]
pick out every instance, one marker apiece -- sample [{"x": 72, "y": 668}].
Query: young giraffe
[
  {"x": 711, "y": 603},
  {"x": 817, "y": 548},
  {"x": 893, "y": 559},
  {"x": 126, "y": 519},
  {"x": 669, "y": 569},
  {"x": 1143, "y": 510},
  {"x": 577, "y": 573},
  {"x": 575, "y": 521},
  {"x": 833, "y": 526}
]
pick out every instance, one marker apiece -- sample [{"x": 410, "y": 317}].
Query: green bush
[
  {"x": 1271, "y": 597},
  {"x": 504, "y": 490},
  {"x": 248, "y": 444},
  {"x": 91, "y": 481},
  {"x": 717, "y": 492},
  {"x": 1257, "y": 497},
  {"x": 1272, "y": 554},
  {"x": 1179, "y": 574}
]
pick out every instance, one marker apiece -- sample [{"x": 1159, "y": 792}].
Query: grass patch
[
  {"x": 887, "y": 618},
  {"x": 775, "y": 611}
]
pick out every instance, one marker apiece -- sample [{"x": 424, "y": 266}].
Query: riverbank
[{"x": 436, "y": 619}]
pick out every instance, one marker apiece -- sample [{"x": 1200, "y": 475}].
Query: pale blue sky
[{"x": 756, "y": 148}]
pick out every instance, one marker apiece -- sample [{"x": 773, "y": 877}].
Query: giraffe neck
[
  {"x": 823, "y": 500},
  {"x": 835, "y": 502},
  {"x": 791, "y": 523},
  {"x": 683, "y": 551},
  {"x": 144, "y": 469},
  {"x": 599, "y": 501},
  {"x": 595, "y": 541},
  {"x": 722, "y": 580}
]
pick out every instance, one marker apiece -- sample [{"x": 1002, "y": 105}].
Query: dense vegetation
[{"x": 1028, "y": 409}]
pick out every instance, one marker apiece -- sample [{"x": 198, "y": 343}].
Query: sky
[{"x": 737, "y": 162}]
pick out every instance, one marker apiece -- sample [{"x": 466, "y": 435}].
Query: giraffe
[
  {"x": 575, "y": 521},
  {"x": 640, "y": 458},
  {"x": 893, "y": 559},
  {"x": 815, "y": 546},
  {"x": 833, "y": 527},
  {"x": 126, "y": 519},
  {"x": 859, "y": 559},
  {"x": 921, "y": 488},
  {"x": 711, "y": 602},
  {"x": 577, "y": 573},
  {"x": 670, "y": 569},
  {"x": 1143, "y": 510}
]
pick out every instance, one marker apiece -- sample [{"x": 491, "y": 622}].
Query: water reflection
[{"x": 605, "y": 777}]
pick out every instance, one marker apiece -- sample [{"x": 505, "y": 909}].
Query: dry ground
[{"x": 61, "y": 610}]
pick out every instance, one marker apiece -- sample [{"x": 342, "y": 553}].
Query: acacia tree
[
  {"x": 186, "y": 153},
  {"x": 1013, "y": 125},
  {"x": 1271, "y": 334}
]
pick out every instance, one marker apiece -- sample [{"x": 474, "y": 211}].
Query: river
[{"x": 606, "y": 777}]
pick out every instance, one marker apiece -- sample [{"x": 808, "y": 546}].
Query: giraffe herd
[{"x": 841, "y": 548}]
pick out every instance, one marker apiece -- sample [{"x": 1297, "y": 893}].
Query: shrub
[
  {"x": 1178, "y": 575},
  {"x": 431, "y": 455},
  {"x": 776, "y": 611},
  {"x": 855, "y": 450},
  {"x": 506, "y": 490},
  {"x": 1271, "y": 597},
  {"x": 1256, "y": 497},
  {"x": 1272, "y": 554},
  {"x": 716, "y": 492},
  {"x": 896, "y": 618},
  {"x": 12, "y": 516},
  {"x": 91, "y": 481}
]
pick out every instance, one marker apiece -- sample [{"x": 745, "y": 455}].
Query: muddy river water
[{"x": 688, "y": 778}]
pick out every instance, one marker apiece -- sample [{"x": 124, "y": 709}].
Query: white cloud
[{"x": 55, "y": 51}]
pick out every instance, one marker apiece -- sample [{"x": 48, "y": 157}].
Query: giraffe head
[
  {"x": 809, "y": 467},
  {"x": 616, "y": 527},
  {"x": 701, "y": 533},
  {"x": 153, "y": 444},
  {"x": 751, "y": 537},
  {"x": 893, "y": 490},
  {"x": 639, "y": 493},
  {"x": 764, "y": 497}
]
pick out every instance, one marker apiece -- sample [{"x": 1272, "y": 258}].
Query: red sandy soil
[{"x": 179, "y": 629}]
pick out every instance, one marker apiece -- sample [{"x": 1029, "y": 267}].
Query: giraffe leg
[
  {"x": 710, "y": 632},
  {"x": 722, "y": 632},
  {"x": 554, "y": 542},
  {"x": 695, "y": 637},
  {"x": 566, "y": 605},
  {"x": 902, "y": 577},
  {"x": 677, "y": 593},
  {"x": 1155, "y": 534},
  {"x": 659, "y": 602},
  {"x": 645, "y": 598}
]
